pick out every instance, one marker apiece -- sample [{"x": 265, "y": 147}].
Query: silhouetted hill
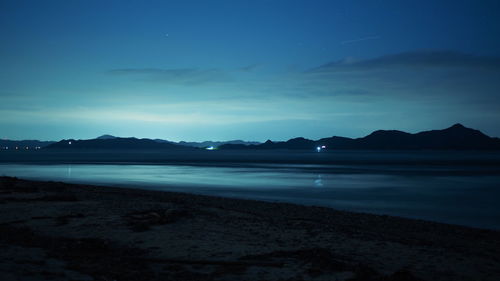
[
  {"x": 203, "y": 144},
  {"x": 164, "y": 141},
  {"x": 12, "y": 144},
  {"x": 457, "y": 137},
  {"x": 106, "y": 137},
  {"x": 106, "y": 142},
  {"x": 115, "y": 143}
]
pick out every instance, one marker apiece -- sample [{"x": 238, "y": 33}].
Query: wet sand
[{"x": 57, "y": 231}]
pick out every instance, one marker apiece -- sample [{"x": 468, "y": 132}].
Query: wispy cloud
[
  {"x": 440, "y": 58},
  {"x": 250, "y": 67},
  {"x": 392, "y": 89},
  {"x": 421, "y": 79},
  {"x": 186, "y": 76},
  {"x": 351, "y": 41}
]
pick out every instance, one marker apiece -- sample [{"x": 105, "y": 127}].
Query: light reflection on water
[
  {"x": 446, "y": 197},
  {"x": 318, "y": 182}
]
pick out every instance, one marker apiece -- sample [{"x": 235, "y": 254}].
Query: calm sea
[{"x": 452, "y": 194}]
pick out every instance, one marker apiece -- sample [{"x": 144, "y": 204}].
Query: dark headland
[{"x": 57, "y": 231}]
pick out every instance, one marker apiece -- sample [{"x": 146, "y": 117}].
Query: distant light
[
  {"x": 318, "y": 148},
  {"x": 323, "y": 146},
  {"x": 69, "y": 142},
  {"x": 210, "y": 148},
  {"x": 27, "y": 147},
  {"x": 17, "y": 147}
]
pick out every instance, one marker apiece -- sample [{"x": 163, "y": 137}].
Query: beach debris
[
  {"x": 143, "y": 220},
  {"x": 317, "y": 259},
  {"x": 65, "y": 219},
  {"x": 8, "y": 182},
  {"x": 14, "y": 185}
]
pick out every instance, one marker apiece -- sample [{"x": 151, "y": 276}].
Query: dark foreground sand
[{"x": 57, "y": 231}]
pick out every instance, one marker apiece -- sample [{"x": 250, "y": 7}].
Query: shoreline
[
  {"x": 70, "y": 231},
  {"x": 456, "y": 195}
]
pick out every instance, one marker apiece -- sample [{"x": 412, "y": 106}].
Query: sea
[{"x": 456, "y": 193}]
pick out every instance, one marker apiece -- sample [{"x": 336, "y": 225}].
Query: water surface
[{"x": 451, "y": 194}]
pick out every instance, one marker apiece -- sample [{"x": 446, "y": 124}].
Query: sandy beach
[{"x": 58, "y": 231}]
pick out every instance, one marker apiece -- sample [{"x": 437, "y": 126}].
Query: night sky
[{"x": 252, "y": 70}]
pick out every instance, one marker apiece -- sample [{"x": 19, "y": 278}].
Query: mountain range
[
  {"x": 115, "y": 143},
  {"x": 456, "y": 137},
  {"x": 112, "y": 142},
  {"x": 203, "y": 144}
]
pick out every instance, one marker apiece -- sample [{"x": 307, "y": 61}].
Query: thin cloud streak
[
  {"x": 433, "y": 58},
  {"x": 346, "y": 42},
  {"x": 184, "y": 76}
]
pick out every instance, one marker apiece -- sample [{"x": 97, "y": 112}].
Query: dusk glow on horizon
[{"x": 250, "y": 70}]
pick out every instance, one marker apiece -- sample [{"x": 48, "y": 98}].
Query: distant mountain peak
[
  {"x": 106, "y": 137},
  {"x": 378, "y": 133},
  {"x": 458, "y": 126},
  {"x": 297, "y": 139}
]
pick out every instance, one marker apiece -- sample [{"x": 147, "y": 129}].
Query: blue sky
[{"x": 253, "y": 70}]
